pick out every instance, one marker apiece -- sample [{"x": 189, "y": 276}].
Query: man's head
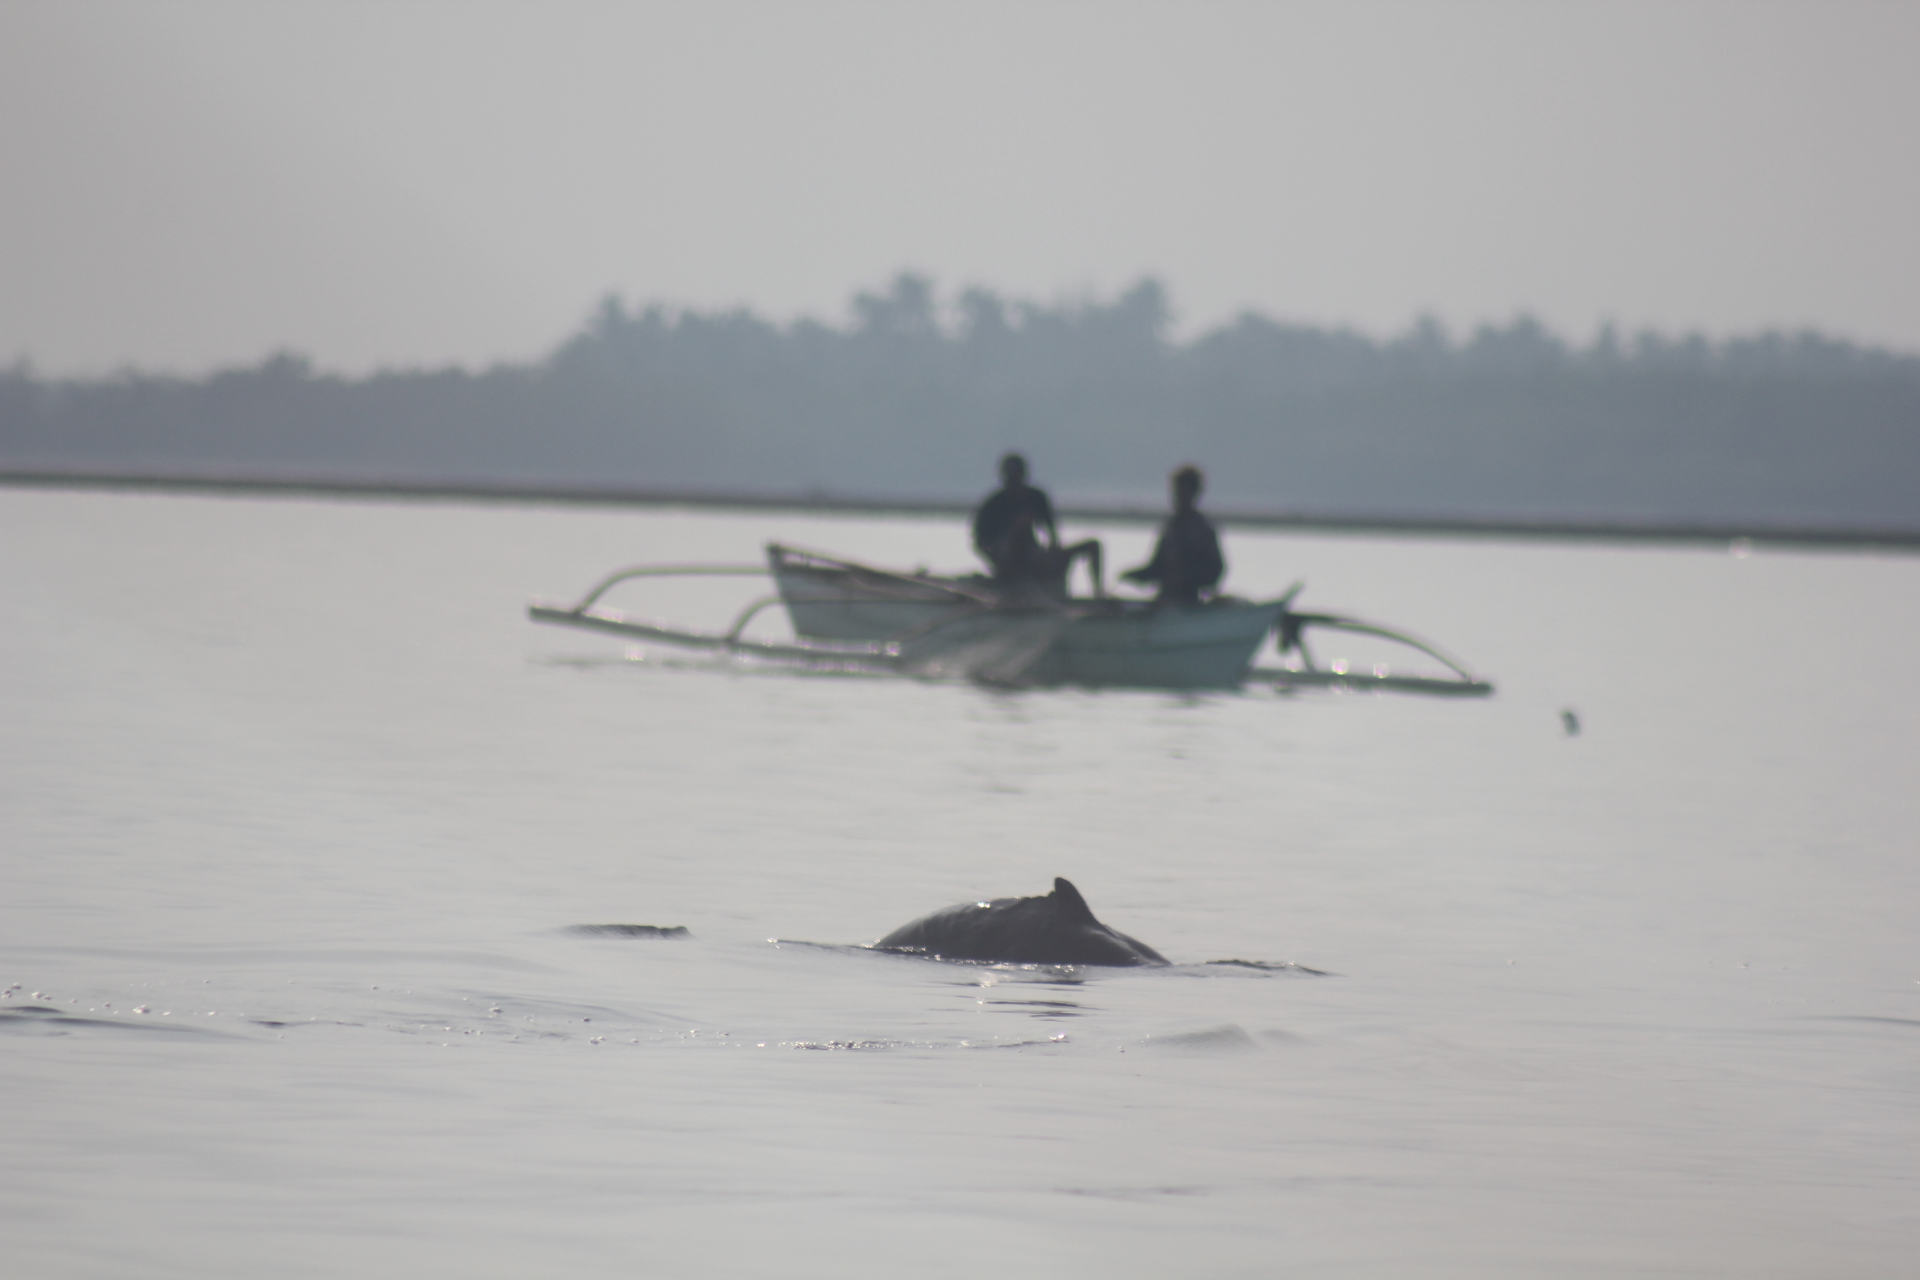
[
  {"x": 1186, "y": 487},
  {"x": 1013, "y": 470}
]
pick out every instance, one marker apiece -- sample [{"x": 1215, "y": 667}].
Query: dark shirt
[
  {"x": 1186, "y": 560},
  {"x": 1006, "y": 529}
]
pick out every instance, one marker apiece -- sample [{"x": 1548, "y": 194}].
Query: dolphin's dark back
[{"x": 1058, "y": 928}]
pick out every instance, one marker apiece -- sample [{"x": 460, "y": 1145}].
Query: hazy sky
[{"x": 198, "y": 183}]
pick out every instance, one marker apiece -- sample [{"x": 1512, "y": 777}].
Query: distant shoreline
[{"x": 1521, "y": 529}]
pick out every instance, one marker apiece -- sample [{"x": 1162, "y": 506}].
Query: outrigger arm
[
  {"x": 584, "y": 616},
  {"x": 1290, "y": 637}
]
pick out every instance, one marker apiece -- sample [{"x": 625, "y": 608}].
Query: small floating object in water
[
  {"x": 1569, "y": 721},
  {"x": 632, "y": 930}
]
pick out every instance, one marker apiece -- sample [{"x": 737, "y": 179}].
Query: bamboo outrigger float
[{"x": 849, "y": 614}]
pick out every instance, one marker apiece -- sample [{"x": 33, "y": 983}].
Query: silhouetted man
[
  {"x": 1007, "y": 531},
  {"x": 1186, "y": 561}
]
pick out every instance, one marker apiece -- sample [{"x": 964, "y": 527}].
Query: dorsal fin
[{"x": 1072, "y": 905}]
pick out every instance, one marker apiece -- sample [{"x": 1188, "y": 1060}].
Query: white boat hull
[
  {"x": 841, "y": 605},
  {"x": 956, "y": 626},
  {"x": 1209, "y": 647}
]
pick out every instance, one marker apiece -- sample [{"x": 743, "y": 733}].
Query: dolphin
[{"x": 1058, "y": 928}]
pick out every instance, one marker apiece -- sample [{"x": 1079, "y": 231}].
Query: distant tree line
[{"x": 915, "y": 397}]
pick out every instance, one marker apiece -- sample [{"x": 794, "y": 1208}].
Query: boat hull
[
  {"x": 841, "y": 605},
  {"x": 1209, "y": 647},
  {"x": 957, "y": 626}
]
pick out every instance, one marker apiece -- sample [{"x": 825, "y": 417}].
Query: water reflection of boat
[{"x": 847, "y": 613}]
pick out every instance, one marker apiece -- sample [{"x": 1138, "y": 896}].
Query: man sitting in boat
[
  {"x": 1186, "y": 561},
  {"x": 1007, "y": 528}
]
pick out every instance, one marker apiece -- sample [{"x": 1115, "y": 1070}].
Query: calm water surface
[{"x": 298, "y": 811}]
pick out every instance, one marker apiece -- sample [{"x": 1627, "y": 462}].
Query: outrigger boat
[{"x": 845, "y": 613}]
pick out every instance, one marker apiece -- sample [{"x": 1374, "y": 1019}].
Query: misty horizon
[
  {"x": 948, "y": 318},
  {"x": 1351, "y": 258},
  {"x": 920, "y": 390}
]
